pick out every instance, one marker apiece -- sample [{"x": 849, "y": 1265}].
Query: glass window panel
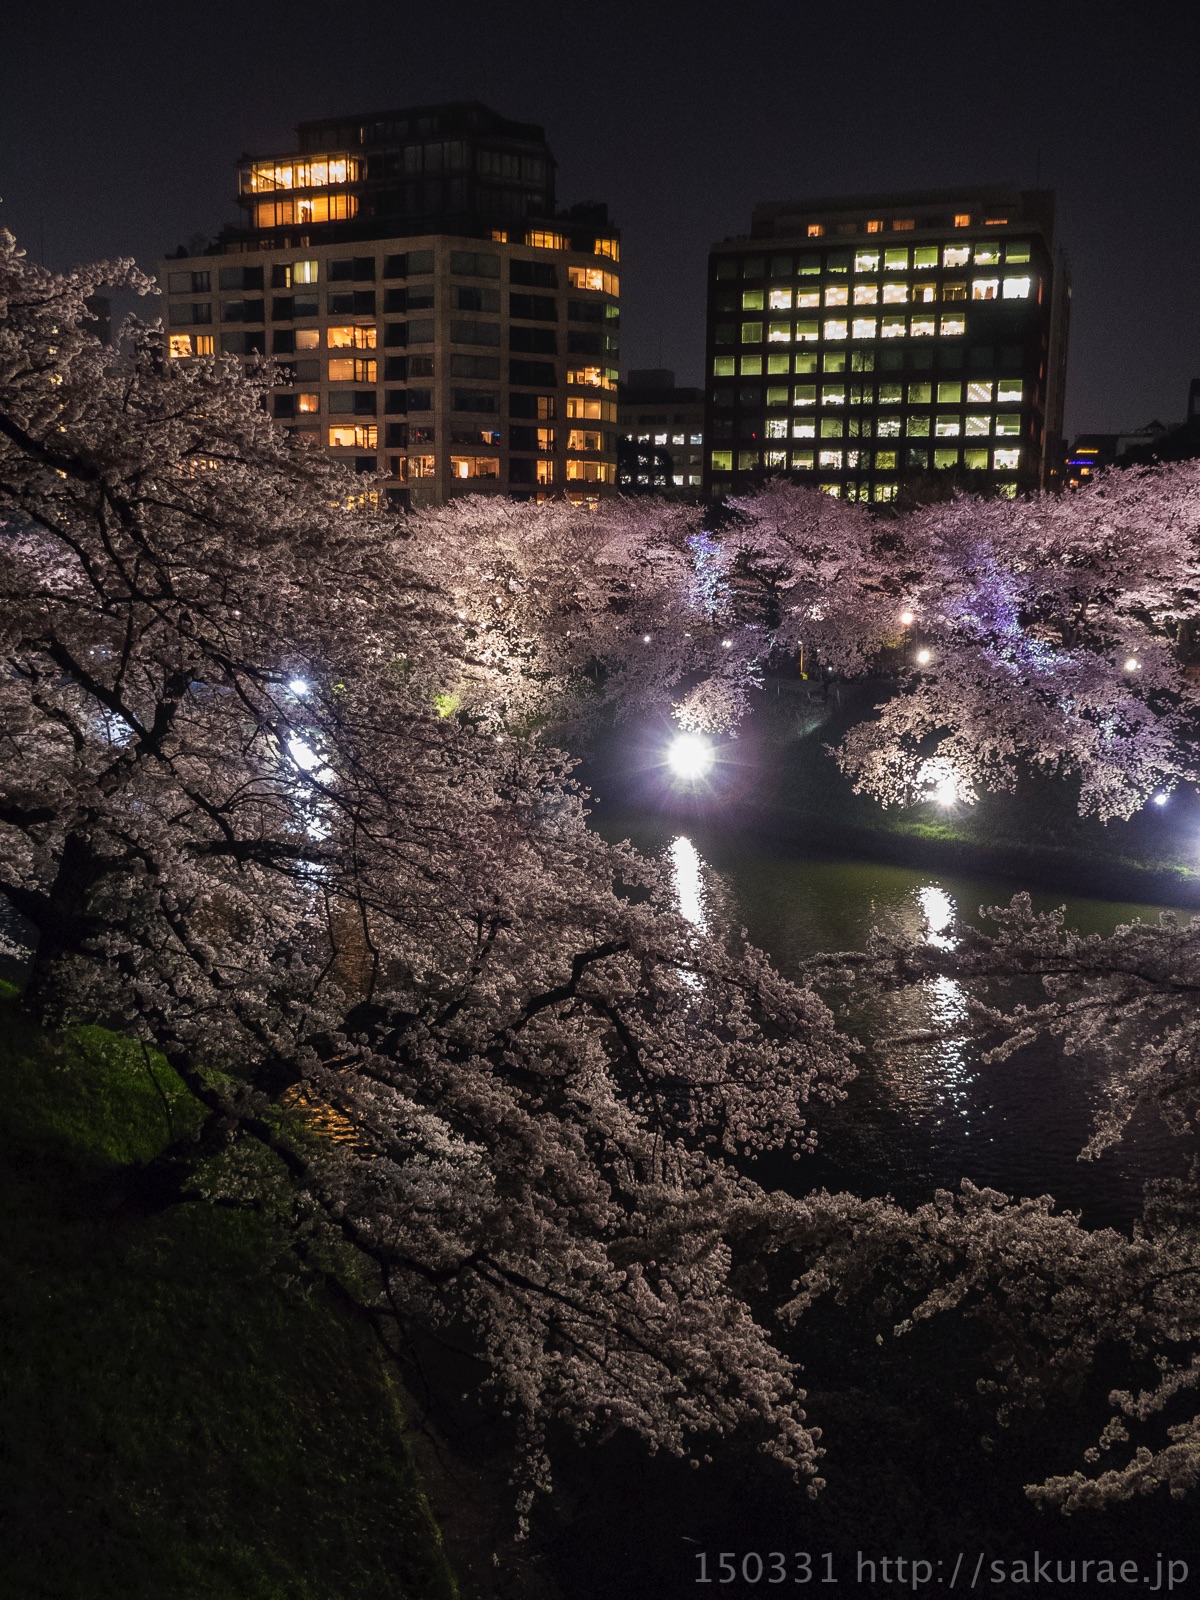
[
  {"x": 776, "y": 428},
  {"x": 947, "y": 428},
  {"x": 979, "y": 425},
  {"x": 723, "y": 366},
  {"x": 780, "y": 300},
  {"x": 747, "y": 460},
  {"x": 776, "y": 459},
  {"x": 987, "y": 288},
  {"x": 888, "y": 428},
  {"x": 923, "y": 327},
  {"x": 920, "y": 394},
  {"x": 1008, "y": 391},
  {"x": 1006, "y": 460},
  {"x": 867, "y": 294},
  {"x": 807, "y": 299},
  {"x": 1016, "y": 252},
  {"x": 949, "y": 394},
  {"x": 831, "y": 459},
  {"x": 979, "y": 393},
  {"x": 722, "y": 460},
  {"x": 942, "y": 459},
  {"x": 752, "y": 300},
  {"x": 924, "y": 293},
  {"x": 895, "y": 294},
  {"x": 917, "y": 427},
  {"x": 802, "y": 460},
  {"x": 889, "y": 394},
  {"x": 836, "y": 294},
  {"x": 885, "y": 460},
  {"x": 779, "y": 332},
  {"x": 895, "y": 260},
  {"x": 806, "y": 361},
  {"x": 863, "y": 328},
  {"x": 925, "y": 255},
  {"x": 987, "y": 255},
  {"x": 751, "y": 366},
  {"x": 777, "y": 395},
  {"x": 956, "y": 255},
  {"x": 866, "y": 261},
  {"x": 832, "y": 427},
  {"x": 954, "y": 291},
  {"x": 752, "y": 332},
  {"x": 804, "y": 430},
  {"x": 804, "y": 394},
  {"x": 779, "y": 363},
  {"x": 1008, "y": 423},
  {"x": 955, "y": 326},
  {"x": 833, "y": 394},
  {"x": 975, "y": 460},
  {"x": 836, "y": 329},
  {"x": 893, "y": 326},
  {"x": 806, "y": 332},
  {"x": 1017, "y": 288}
]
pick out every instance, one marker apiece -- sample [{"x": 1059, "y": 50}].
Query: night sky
[{"x": 120, "y": 128}]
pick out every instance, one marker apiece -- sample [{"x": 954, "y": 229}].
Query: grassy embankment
[{"x": 181, "y": 1421}]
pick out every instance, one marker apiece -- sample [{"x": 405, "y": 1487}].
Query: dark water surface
[{"x": 921, "y": 1116}]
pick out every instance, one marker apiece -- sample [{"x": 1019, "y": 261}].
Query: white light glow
[
  {"x": 689, "y": 883},
  {"x": 298, "y": 687},
  {"x": 924, "y": 657},
  {"x": 645, "y": 638},
  {"x": 726, "y": 644},
  {"x": 1132, "y": 664},
  {"x": 1161, "y": 799},
  {"x": 907, "y": 618},
  {"x": 690, "y": 756}
]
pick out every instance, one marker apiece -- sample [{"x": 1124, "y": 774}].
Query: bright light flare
[
  {"x": 1132, "y": 664},
  {"x": 924, "y": 657},
  {"x": 1161, "y": 799},
  {"x": 690, "y": 756},
  {"x": 298, "y": 687},
  {"x": 907, "y": 618},
  {"x": 945, "y": 792}
]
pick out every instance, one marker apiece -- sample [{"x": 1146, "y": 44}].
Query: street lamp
[{"x": 690, "y": 756}]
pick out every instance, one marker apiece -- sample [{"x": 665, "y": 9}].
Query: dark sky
[{"x": 120, "y": 127}]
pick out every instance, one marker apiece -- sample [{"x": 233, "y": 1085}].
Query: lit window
[
  {"x": 776, "y": 428},
  {"x": 895, "y": 294},
  {"x": 308, "y": 402},
  {"x": 590, "y": 410},
  {"x": 779, "y": 332},
  {"x": 978, "y": 393},
  {"x": 779, "y": 362},
  {"x": 815, "y": 230},
  {"x": 360, "y": 435},
  {"x": 895, "y": 260},
  {"x": 591, "y": 471},
  {"x": 181, "y": 345},
  {"x": 885, "y": 491},
  {"x": 833, "y": 394},
  {"x": 752, "y": 332},
  {"x": 835, "y": 329},
  {"x": 893, "y": 326},
  {"x": 979, "y": 425},
  {"x": 545, "y": 439},
  {"x": 875, "y": 226},
  {"x": 1016, "y": 252},
  {"x": 585, "y": 439},
  {"x": 750, "y": 366},
  {"x": 205, "y": 344},
  {"x": 607, "y": 247},
  {"x": 866, "y": 261},
  {"x": 544, "y": 471},
  {"x": 836, "y": 294},
  {"x": 356, "y": 338},
  {"x": 833, "y": 361},
  {"x": 778, "y": 300},
  {"x": 723, "y": 366},
  {"x": 962, "y": 219},
  {"x": 888, "y": 428},
  {"x": 987, "y": 255},
  {"x": 830, "y": 458},
  {"x": 308, "y": 338},
  {"x": 925, "y": 255},
  {"x": 832, "y": 428},
  {"x": 346, "y": 369},
  {"x": 474, "y": 467},
  {"x": 863, "y": 328},
  {"x": 776, "y": 458},
  {"x": 924, "y": 293},
  {"x": 956, "y": 255},
  {"x": 945, "y": 458},
  {"x": 954, "y": 291},
  {"x": 804, "y": 430},
  {"x": 747, "y": 460},
  {"x": 303, "y": 272},
  {"x": 866, "y": 294},
  {"x": 920, "y": 394},
  {"x": 802, "y": 460},
  {"x": 885, "y": 460},
  {"x": 975, "y": 460},
  {"x": 922, "y": 327},
  {"x": 917, "y": 427},
  {"x": 594, "y": 278},
  {"x": 316, "y": 208},
  {"x": 949, "y": 394},
  {"x": 806, "y": 361},
  {"x": 807, "y": 299},
  {"x": 592, "y": 377},
  {"x": 752, "y": 300},
  {"x": 722, "y": 460},
  {"x": 777, "y": 395},
  {"x": 1006, "y": 460},
  {"x": 1008, "y": 391},
  {"x": 954, "y": 325},
  {"x": 806, "y": 333},
  {"x": 833, "y": 490},
  {"x": 889, "y": 394},
  {"x": 804, "y": 394},
  {"x": 1009, "y": 423},
  {"x": 947, "y": 428},
  {"x": 989, "y": 288},
  {"x": 696, "y": 438},
  {"x": 1017, "y": 288},
  {"x": 542, "y": 239},
  {"x": 313, "y": 172}
]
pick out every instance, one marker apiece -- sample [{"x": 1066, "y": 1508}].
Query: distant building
[
  {"x": 865, "y": 344},
  {"x": 662, "y": 435},
  {"x": 438, "y": 319}
]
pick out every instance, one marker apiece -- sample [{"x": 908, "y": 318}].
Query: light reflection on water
[{"x": 928, "y": 1112}]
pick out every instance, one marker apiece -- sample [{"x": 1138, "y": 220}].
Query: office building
[
  {"x": 435, "y": 316},
  {"x": 661, "y": 448},
  {"x": 870, "y": 345}
]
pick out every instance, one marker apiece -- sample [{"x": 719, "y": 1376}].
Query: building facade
[
  {"x": 435, "y": 318},
  {"x": 870, "y": 345},
  {"x": 661, "y": 447}
]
